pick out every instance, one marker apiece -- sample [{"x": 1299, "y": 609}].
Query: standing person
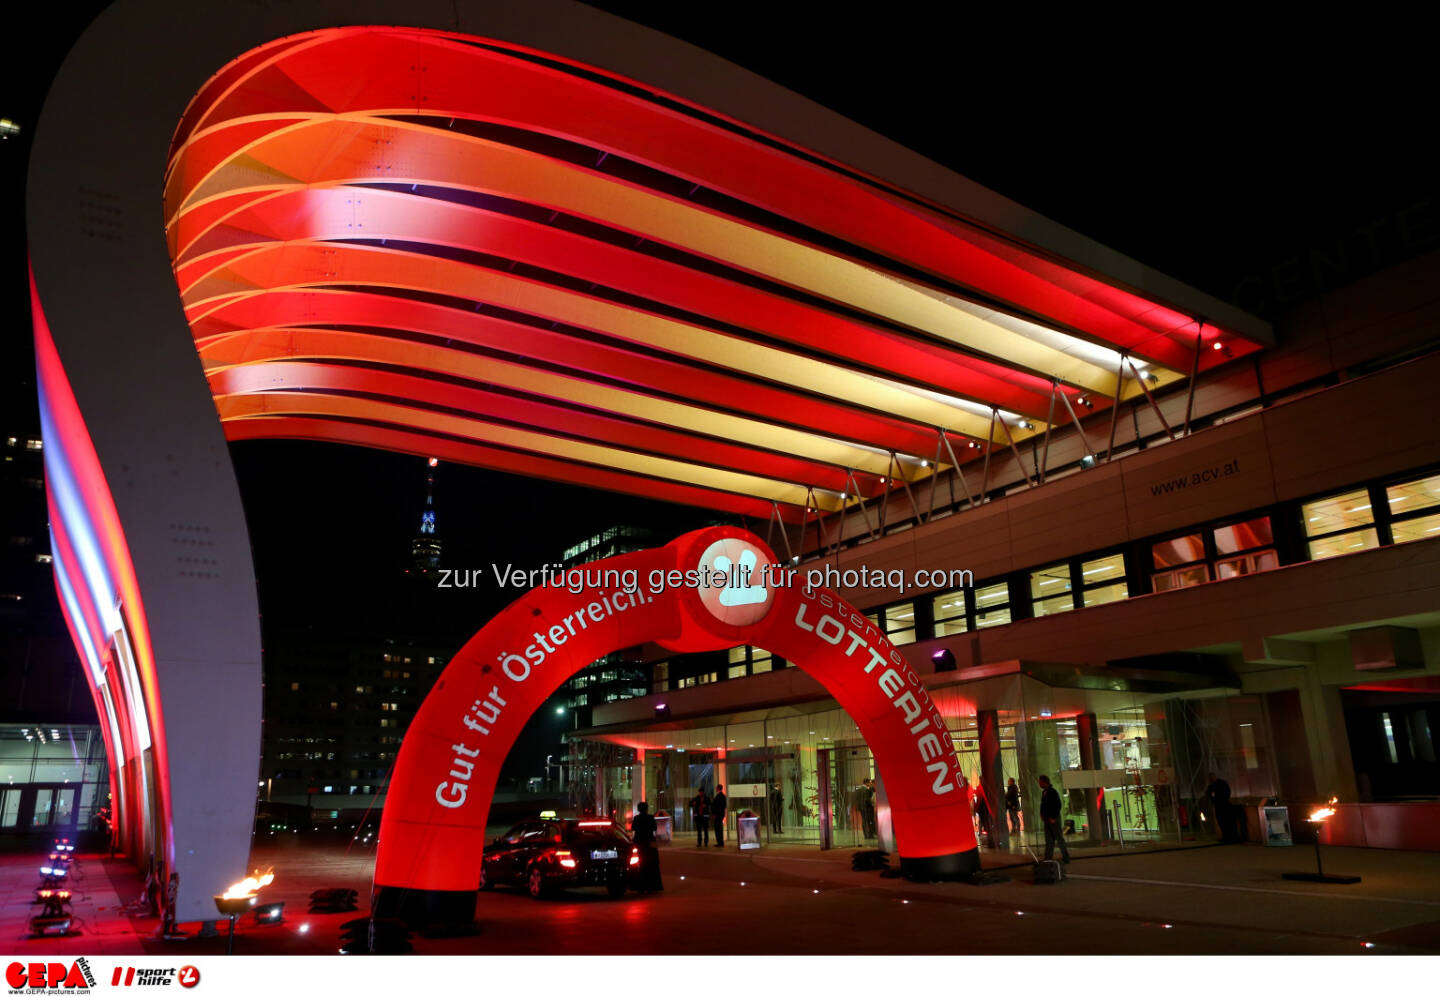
[
  {"x": 718, "y": 803},
  {"x": 867, "y": 808},
  {"x": 982, "y": 807},
  {"x": 1217, "y": 791},
  {"x": 700, "y": 814},
  {"x": 1012, "y": 806},
  {"x": 642, "y": 829},
  {"x": 1050, "y": 817},
  {"x": 777, "y": 809}
]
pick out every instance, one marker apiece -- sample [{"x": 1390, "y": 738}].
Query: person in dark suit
[
  {"x": 1217, "y": 791},
  {"x": 718, "y": 803},
  {"x": 1050, "y": 817},
  {"x": 1012, "y": 806},
  {"x": 642, "y": 829},
  {"x": 777, "y": 809},
  {"x": 867, "y": 808},
  {"x": 700, "y": 814}
]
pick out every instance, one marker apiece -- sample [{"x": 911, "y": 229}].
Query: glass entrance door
[{"x": 852, "y": 797}]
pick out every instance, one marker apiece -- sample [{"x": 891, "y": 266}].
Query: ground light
[{"x": 1317, "y": 820}]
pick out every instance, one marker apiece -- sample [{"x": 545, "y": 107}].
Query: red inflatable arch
[{"x": 711, "y": 589}]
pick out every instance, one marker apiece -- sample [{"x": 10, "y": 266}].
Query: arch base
[
  {"x": 956, "y": 865},
  {"x": 421, "y": 909}
]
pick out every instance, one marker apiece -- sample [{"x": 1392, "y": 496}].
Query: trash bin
[
  {"x": 664, "y": 828},
  {"x": 747, "y": 829}
]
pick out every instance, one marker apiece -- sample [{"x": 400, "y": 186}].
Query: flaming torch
[
  {"x": 239, "y": 898},
  {"x": 1317, "y": 820}
]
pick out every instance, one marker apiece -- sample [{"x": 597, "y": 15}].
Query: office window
[
  {"x": 992, "y": 605},
  {"x": 1103, "y": 580},
  {"x": 1406, "y": 503},
  {"x": 1050, "y": 590},
  {"x": 948, "y": 611},
  {"x": 897, "y": 623},
  {"x": 662, "y": 676},
  {"x": 1245, "y": 548},
  {"x": 1179, "y": 562},
  {"x": 1340, "y": 524}
]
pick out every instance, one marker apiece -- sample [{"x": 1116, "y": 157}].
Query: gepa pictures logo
[{"x": 49, "y": 977}]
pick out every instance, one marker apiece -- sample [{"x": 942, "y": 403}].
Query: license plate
[{"x": 606, "y": 853}]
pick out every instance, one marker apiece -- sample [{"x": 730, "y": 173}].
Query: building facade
[{"x": 1255, "y": 600}]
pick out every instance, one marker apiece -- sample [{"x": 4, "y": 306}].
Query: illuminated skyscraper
[{"x": 425, "y": 548}]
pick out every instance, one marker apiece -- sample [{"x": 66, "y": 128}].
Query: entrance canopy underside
[{"x": 448, "y": 246}]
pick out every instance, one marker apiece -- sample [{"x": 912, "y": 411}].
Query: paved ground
[{"x": 1208, "y": 900}]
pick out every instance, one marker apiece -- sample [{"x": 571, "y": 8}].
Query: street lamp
[{"x": 1317, "y": 820}]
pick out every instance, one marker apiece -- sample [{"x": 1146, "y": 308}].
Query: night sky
[{"x": 1212, "y": 151}]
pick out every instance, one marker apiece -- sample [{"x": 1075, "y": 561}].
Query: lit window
[
  {"x": 992, "y": 605},
  {"x": 43, "y": 559},
  {"x": 1405, "y": 501},
  {"x": 1103, "y": 580},
  {"x": 1050, "y": 590},
  {"x": 1340, "y": 524},
  {"x": 34, "y": 444},
  {"x": 736, "y": 672},
  {"x": 1177, "y": 551},
  {"x": 1413, "y": 529},
  {"x": 1181, "y": 578},
  {"x": 1249, "y": 535},
  {"x": 898, "y": 623},
  {"x": 948, "y": 611},
  {"x": 1388, "y": 729}
]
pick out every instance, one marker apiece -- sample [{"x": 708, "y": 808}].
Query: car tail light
[
  {"x": 565, "y": 859},
  {"x": 634, "y": 856}
]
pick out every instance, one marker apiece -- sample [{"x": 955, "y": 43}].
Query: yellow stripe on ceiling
[
  {"x": 277, "y": 265},
  {"x": 357, "y": 148},
  {"x": 233, "y": 407},
  {"x": 325, "y": 344}
]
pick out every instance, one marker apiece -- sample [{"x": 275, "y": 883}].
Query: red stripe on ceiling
[
  {"x": 463, "y": 81},
  {"x": 346, "y": 213},
  {"x": 496, "y": 459},
  {"x": 277, "y": 311},
  {"x": 541, "y": 416}
]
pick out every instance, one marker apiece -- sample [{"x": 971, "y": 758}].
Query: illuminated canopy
[{"x": 438, "y": 244}]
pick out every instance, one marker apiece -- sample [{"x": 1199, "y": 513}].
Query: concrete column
[
  {"x": 1328, "y": 740},
  {"x": 992, "y": 776},
  {"x": 1089, "y": 733}
]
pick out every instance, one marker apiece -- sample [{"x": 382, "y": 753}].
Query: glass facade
[
  {"x": 1131, "y": 768},
  {"x": 51, "y": 778}
]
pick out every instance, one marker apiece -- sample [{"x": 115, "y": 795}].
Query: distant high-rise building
[
  {"x": 425, "y": 548},
  {"x": 615, "y": 676}
]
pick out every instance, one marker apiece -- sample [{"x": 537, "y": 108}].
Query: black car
[{"x": 549, "y": 854}]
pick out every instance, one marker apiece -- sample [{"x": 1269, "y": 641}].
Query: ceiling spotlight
[
  {"x": 1217, "y": 345},
  {"x": 974, "y": 445},
  {"x": 1026, "y": 424},
  {"x": 924, "y": 463},
  {"x": 1085, "y": 401},
  {"x": 433, "y": 461}
]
